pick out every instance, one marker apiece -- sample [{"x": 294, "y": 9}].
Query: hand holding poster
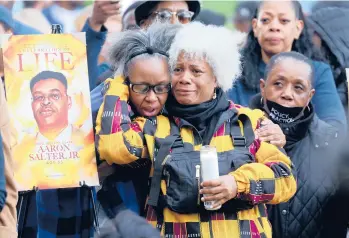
[{"x": 47, "y": 89}]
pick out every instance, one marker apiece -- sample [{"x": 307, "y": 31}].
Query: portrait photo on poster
[{"x": 46, "y": 80}]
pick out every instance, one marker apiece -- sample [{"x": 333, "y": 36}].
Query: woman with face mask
[
  {"x": 251, "y": 172},
  {"x": 313, "y": 146},
  {"x": 279, "y": 26}
]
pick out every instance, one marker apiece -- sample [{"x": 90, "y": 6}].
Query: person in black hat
[
  {"x": 166, "y": 11},
  {"x": 243, "y": 15}
]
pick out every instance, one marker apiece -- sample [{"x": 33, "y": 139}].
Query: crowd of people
[{"x": 167, "y": 78}]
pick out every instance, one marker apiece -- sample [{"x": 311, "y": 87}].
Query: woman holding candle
[{"x": 203, "y": 61}]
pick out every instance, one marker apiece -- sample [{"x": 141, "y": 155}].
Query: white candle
[
  {"x": 209, "y": 169},
  {"x": 209, "y": 163}
]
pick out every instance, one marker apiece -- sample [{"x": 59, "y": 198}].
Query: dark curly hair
[{"x": 252, "y": 57}]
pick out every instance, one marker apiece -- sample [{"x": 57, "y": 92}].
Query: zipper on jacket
[
  {"x": 165, "y": 160},
  {"x": 197, "y": 175}
]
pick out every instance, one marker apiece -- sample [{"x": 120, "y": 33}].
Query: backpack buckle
[{"x": 239, "y": 141}]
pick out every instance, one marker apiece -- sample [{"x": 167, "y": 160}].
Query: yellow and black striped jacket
[{"x": 267, "y": 180}]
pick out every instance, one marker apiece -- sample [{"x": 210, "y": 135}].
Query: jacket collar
[{"x": 224, "y": 117}]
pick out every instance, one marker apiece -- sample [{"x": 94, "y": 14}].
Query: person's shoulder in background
[
  {"x": 15, "y": 26},
  {"x": 23, "y": 29},
  {"x": 322, "y": 71},
  {"x": 326, "y": 100},
  {"x": 319, "y": 64},
  {"x": 34, "y": 19}
]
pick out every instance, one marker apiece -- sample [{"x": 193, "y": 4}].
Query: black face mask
[{"x": 281, "y": 114}]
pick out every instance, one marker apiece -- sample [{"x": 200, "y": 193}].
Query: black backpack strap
[
  {"x": 239, "y": 140},
  {"x": 163, "y": 152}
]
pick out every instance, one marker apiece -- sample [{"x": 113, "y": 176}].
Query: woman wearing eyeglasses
[
  {"x": 145, "y": 14},
  {"x": 198, "y": 113},
  {"x": 148, "y": 82},
  {"x": 166, "y": 11}
]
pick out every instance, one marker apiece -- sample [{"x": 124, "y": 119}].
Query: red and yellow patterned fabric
[{"x": 267, "y": 180}]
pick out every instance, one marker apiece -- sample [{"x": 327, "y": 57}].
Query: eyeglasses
[
  {"x": 144, "y": 88},
  {"x": 183, "y": 16}
]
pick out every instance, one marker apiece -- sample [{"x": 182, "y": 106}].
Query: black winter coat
[{"x": 314, "y": 211}]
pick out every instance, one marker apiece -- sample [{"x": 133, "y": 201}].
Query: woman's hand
[
  {"x": 219, "y": 190},
  {"x": 271, "y": 133}
]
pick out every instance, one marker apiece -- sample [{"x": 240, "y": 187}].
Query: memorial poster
[{"x": 48, "y": 95}]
